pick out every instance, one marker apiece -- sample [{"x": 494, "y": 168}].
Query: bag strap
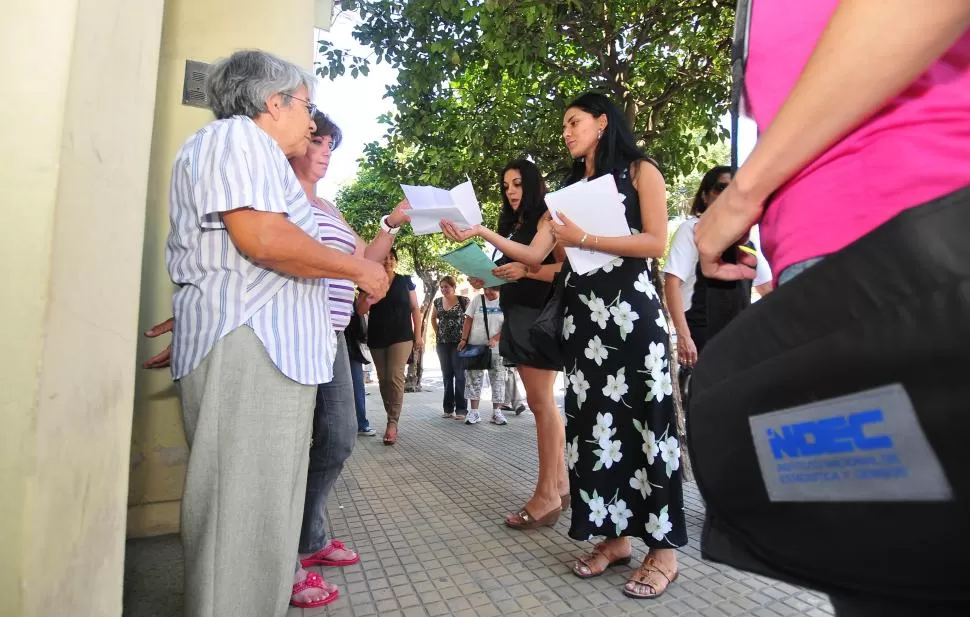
[{"x": 488, "y": 335}]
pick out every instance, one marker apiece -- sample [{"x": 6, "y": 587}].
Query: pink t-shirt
[{"x": 915, "y": 150}]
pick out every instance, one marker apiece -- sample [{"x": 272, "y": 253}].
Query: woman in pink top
[{"x": 864, "y": 111}]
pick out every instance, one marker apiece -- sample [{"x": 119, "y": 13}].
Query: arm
[
  {"x": 652, "y": 239},
  {"x": 380, "y": 246},
  {"x": 271, "y": 240},
  {"x": 853, "y": 72},
  {"x": 764, "y": 289},
  {"x": 532, "y": 254},
  {"x": 514, "y": 271},
  {"x": 466, "y": 329},
  {"x": 686, "y": 348},
  {"x": 434, "y": 319},
  {"x": 416, "y": 321}
]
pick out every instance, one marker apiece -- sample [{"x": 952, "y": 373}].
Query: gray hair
[{"x": 240, "y": 84}]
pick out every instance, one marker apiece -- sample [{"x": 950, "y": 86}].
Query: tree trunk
[
  {"x": 658, "y": 283},
  {"x": 412, "y": 381}
]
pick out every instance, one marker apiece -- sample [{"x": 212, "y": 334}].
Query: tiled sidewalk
[{"x": 426, "y": 517}]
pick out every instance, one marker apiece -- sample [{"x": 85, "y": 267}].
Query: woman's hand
[
  {"x": 400, "y": 215},
  {"x": 492, "y": 342},
  {"x": 568, "y": 233},
  {"x": 726, "y": 223},
  {"x": 453, "y": 233},
  {"x": 686, "y": 350},
  {"x": 512, "y": 271},
  {"x": 419, "y": 344},
  {"x": 476, "y": 282},
  {"x": 462, "y": 344}
]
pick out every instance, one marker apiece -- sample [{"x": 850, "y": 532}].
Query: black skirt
[{"x": 515, "y": 346}]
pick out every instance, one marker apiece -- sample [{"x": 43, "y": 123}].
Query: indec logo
[{"x": 832, "y": 435}]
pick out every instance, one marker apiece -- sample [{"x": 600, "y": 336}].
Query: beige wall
[
  {"x": 201, "y": 30},
  {"x": 78, "y": 81}
]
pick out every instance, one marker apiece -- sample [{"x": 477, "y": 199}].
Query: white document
[
  {"x": 430, "y": 204},
  {"x": 597, "y": 207}
]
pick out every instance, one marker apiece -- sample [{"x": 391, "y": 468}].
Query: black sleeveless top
[
  {"x": 524, "y": 292},
  {"x": 390, "y": 319}
]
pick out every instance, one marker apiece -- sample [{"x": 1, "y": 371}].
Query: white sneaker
[
  {"x": 473, "y": 417},
  {"x": 498, "y": 417}
]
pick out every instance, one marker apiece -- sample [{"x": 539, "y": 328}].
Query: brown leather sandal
[
  {"x": 597, "y": 552},
  {"x": 527, "y": 521},
  {"x": 653, "y": 575}
]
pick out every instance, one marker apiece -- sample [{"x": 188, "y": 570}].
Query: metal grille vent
[{"x": 193, "y": 88}]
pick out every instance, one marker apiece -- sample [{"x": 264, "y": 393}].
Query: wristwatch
[{"x": 384, "y": 226}]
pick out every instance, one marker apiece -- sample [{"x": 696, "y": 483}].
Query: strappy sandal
[
  {"x": 527, "y": 521},
  {"x": 653, "y": 575},
  {"x": 390, "y": 436},
  {"x": 321, "y": 557},
  {"x": 597, "y": 552},
  {"x": 313, "y": 581}
]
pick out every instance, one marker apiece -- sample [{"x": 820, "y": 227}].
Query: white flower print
[
  {"x": 659, "y": 526},
  {"x": 644, "y": 285},
  {"x": 616, "y": 386},
  {"x": 598, "y": 313},
  {"x": 568, "y": 326},
  {"x": 660, "y": 385},
  {"x": 661, "y": 321},
  {"x": 603, "y": 429},
  {"x": 572, "y": 452},
  {"x": 620, "y": 515},
  {"x": 609, "y": 454},
  {"x": 624, "y": 316},
  {"x": 650, "y": 446},
  {"x": 670, "y": 453},
  {"x": 616, "y": 263},
  {"x": 595, "y": 350},
  {"x": 655, "y": 358},
  {"x": 597, "y": 511},
  {"x": 580, "y": 386},
  {"x": 640, "y": 482}
]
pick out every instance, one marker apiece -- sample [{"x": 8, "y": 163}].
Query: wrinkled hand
[
  {"x": 568, "y": 233},
  {"x": 400, "y": 215},
  {"x": 164, "y": 357},
  {"x": 453, "y": 233},
  {"x": 726, "y": 223},
  {"x": 476, "y": 282},
  {"x": 686, "y": 351},
  {"x": 512, "y": 271},
  {"x": 372, "y": 280}
]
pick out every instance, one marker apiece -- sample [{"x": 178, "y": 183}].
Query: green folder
[{"x": 471, "y": 260}]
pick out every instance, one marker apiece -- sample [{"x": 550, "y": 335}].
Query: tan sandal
[
  {"x": 527, "y": 521},
  {"x": 651, "y": 574},
  {"x": 597, "y": 552}
]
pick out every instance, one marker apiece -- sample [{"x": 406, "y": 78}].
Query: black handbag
[
  {"x": 478, "y": 357},
  {"x": 546, "y": 333}
]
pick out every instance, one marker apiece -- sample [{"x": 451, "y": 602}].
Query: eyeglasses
[
  {"x": 719, "y": 187},
  {"x": 310, "y": 107}
]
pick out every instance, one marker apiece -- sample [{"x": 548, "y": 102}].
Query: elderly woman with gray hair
[{"x": 252, "y": 337}]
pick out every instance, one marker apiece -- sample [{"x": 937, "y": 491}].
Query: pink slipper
[
  {"x": 320, "y": 557},
  {"x": 313, "y": 581}
]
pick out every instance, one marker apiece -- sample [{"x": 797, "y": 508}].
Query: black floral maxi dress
[{"x": 622, "y": 450}]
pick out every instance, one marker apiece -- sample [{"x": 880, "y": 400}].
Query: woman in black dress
[
  {"x": 622, "y": 448},
  {"x": 524, "y": 237}
]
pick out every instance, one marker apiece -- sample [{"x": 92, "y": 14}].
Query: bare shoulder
[{"x": 646, "y": 173}]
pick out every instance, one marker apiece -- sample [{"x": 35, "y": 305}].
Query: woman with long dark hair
[
  {"x": 525, "y": 236},
  {"x": 622, "y": 446}
]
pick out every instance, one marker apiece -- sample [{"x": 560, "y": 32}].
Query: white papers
[
  {"x": 430, "y": 204},
  {"x": 597, "y": 208}
]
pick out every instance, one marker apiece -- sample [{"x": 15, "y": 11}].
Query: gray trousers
[
  {"x": 248, "y": 428},
  {"x": 334, "y": 436}
]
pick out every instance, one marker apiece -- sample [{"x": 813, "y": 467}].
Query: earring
[{"x": 599, "y": 134}]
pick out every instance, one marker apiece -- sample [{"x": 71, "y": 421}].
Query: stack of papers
[
  {"x": 430, "y": 204},
  {"x": 471, "y": 260},
  {"x": 597, "y": 208}
]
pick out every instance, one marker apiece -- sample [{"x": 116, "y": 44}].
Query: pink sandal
[
  {"x": 320, "y": 557},
  {"x": 312, "y": 581}
]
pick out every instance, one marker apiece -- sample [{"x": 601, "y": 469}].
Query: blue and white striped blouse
[{"x": 227, "y": 165}]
